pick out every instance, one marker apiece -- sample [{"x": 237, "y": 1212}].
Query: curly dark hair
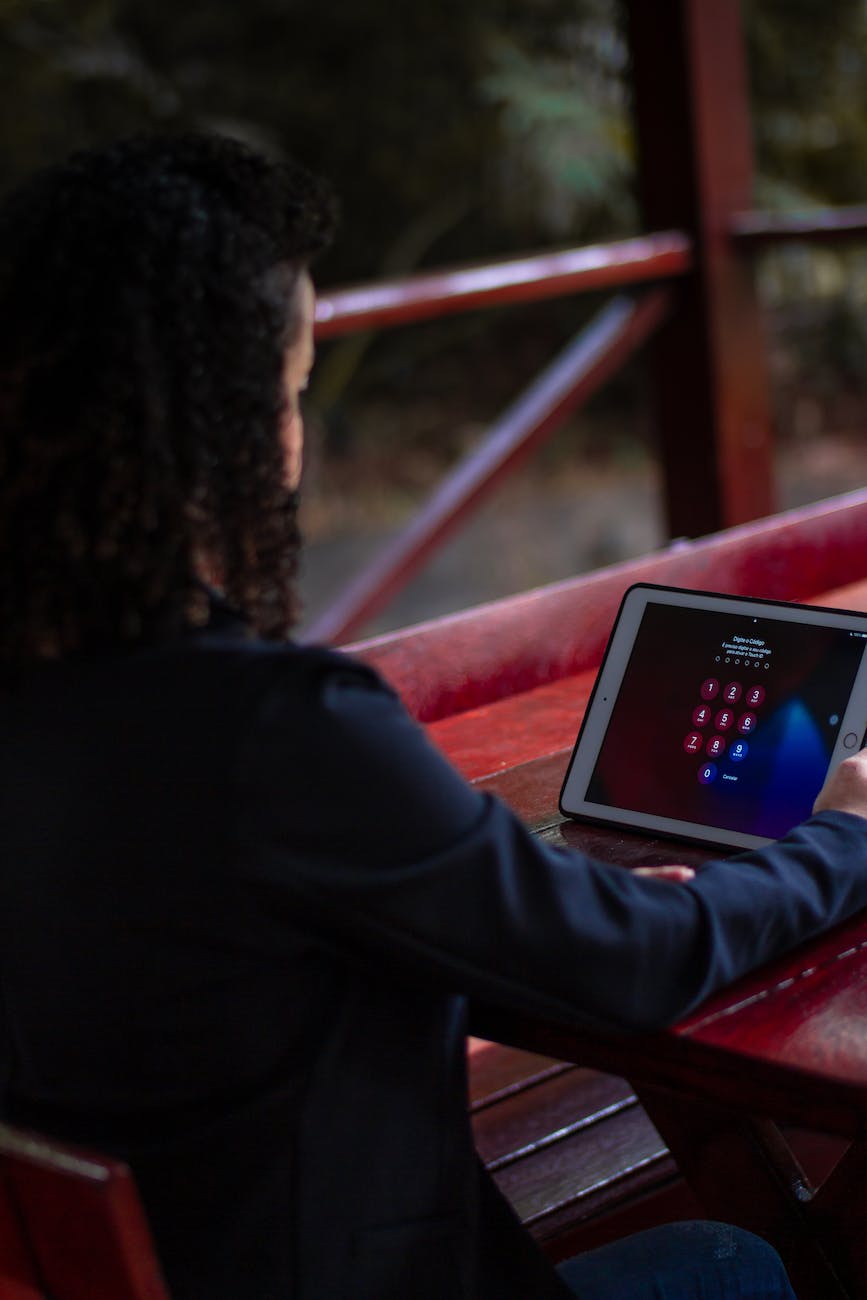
[{"x": 146, "y": 294}]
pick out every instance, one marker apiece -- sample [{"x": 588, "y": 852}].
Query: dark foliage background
[{"x": 456, "y": 130}]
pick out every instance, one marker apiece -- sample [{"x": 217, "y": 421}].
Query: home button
[{"x": 850, "y": 740}]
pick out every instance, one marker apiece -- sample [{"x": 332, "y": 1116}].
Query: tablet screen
[{"x": 725, "y": 719}]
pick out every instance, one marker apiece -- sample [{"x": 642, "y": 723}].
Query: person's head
[{"x": 155, "y": 326}]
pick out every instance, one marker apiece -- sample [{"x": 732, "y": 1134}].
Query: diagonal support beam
[{"x": 571, "y": 379}]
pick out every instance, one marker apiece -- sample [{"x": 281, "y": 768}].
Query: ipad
[{"x": 716, "y": 718}]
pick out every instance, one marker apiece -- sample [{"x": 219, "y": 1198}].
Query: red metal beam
[
  {"x": 555, "y": 274},
  {"x": 695, "y": 172},
  {"x": 523, "y": 279},
  {"x": 816, "y": 224},
  {"x": 598, "y": 352},
  {"x": 477, "y": 656}
]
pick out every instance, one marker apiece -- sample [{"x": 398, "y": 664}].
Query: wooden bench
[
  {"x": 502, "y": 689},
  {"x": 71, "y": 1225}
]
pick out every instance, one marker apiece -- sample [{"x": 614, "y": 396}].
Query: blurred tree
[
  {"x": 808, "y": 72},
  {"x": 483, "y": 125},
  {"x": 394, "y": 85},
  {"x": 565, "y": 149},
  {"x": 808, "y": 62},
  {"x": 479, "y": 123},
  {"x": 452, "y": 129}
]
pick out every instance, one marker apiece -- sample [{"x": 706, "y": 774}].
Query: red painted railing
[
  {"x": 568, "y": 382},
  {"x": 822, "y": 226},
  {"x": 588, "y": 361},
  {"x": 523, "y": 279}
]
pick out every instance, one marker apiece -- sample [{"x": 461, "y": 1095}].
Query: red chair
[{"x": 71, "y": 1225}]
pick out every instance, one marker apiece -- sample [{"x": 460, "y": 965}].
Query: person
[{"x": 245, "y": 906}]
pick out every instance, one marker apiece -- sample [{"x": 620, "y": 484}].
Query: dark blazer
[{"x": 243, "y": 907}]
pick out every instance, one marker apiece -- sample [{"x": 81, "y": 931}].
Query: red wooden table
[
  {"x": 778, "y": 1059},
  {"x": 781, "y": 1051}
]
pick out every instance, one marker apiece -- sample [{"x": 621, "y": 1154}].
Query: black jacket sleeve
[{"x": 353, "y": 826}]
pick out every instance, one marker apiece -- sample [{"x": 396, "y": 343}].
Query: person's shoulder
[
  {"x": 288, "y": 660},
  {"x": 298, "y": 684},
  {"x": 227, "y": 646}
]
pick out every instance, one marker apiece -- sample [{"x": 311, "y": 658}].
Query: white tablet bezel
[{"x": 573, "y": 802}]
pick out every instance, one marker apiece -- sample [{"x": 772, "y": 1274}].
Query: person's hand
[
  {"x": 675, "y": 872},
  {"x": 845, "y": 790}
]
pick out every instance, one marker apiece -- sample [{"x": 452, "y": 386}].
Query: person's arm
[{"x": 357, "y": 827}]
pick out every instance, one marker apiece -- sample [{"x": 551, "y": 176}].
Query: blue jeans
[{"x": 681, "y": 1261}]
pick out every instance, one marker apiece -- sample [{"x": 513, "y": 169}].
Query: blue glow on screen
[{"x": 799, "y": 757}]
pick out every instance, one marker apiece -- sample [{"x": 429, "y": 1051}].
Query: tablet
[{"x": 716, "y": 718}]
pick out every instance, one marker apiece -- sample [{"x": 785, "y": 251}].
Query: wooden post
[{"x": 695, "y": 171}]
